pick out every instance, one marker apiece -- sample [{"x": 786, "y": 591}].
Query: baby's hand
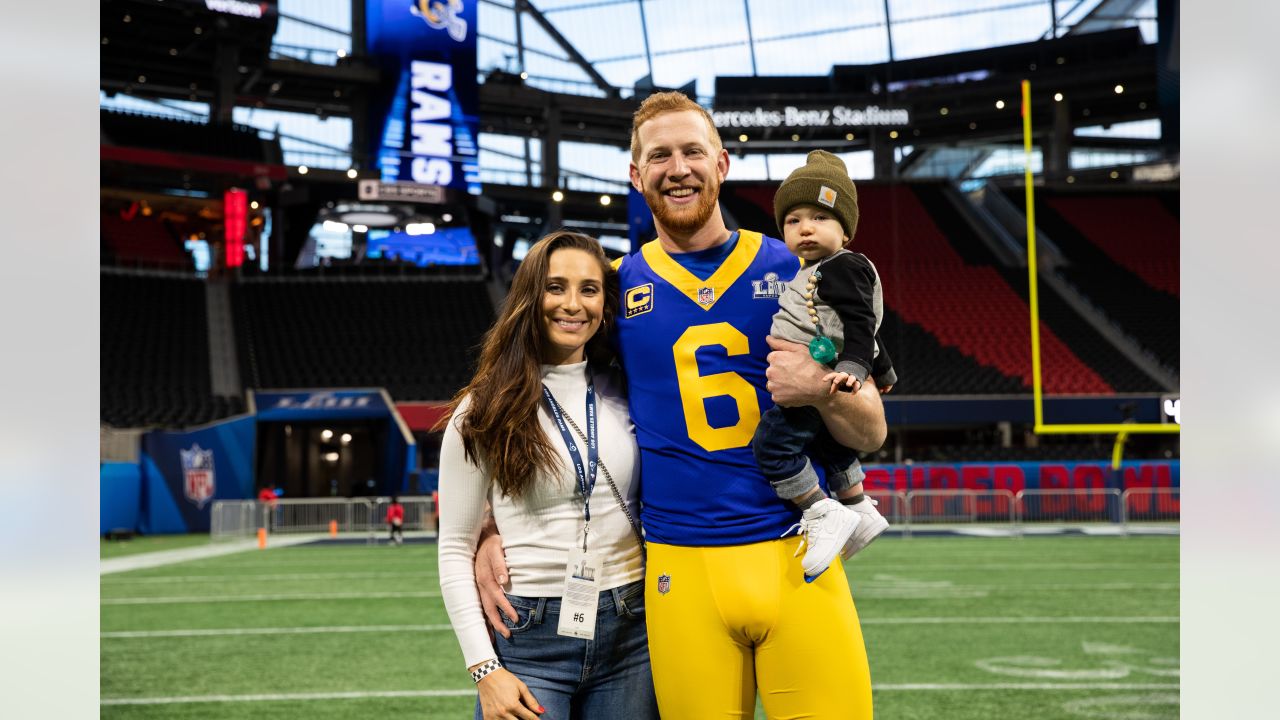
[{"x": 842, "y": 381}]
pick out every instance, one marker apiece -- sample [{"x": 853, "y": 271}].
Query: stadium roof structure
[{"x": 541, "y": 55}]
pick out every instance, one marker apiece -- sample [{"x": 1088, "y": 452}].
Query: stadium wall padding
[
  {"x": 120, "y": 495},
  {"x": 167, "y": 506}
]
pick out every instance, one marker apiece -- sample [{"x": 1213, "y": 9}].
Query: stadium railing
[
  {"x": 238, "y": 519},
  {"x": 956, "y": 506},
  {"x": 1150, "y": 505},
  {"x": 999, "y": 510},
  {"x": 1068, "y": 507}
]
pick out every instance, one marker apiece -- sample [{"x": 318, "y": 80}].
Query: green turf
[
  {"x": 148, "y": 543},
  {"x": 926, "y": 604}
]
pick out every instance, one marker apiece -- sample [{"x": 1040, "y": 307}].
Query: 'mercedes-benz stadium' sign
[{"x": 790, "y": 116}]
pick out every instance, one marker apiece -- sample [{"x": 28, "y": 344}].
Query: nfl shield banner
[{"x": 197, "y": 470}]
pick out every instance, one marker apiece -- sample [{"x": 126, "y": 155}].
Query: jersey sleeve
[
  {"x": 848, "y": 286},
  {"x": 882, "y": 366}
]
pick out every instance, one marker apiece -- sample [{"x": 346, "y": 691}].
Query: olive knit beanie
[{"x": 823, "y": 181}]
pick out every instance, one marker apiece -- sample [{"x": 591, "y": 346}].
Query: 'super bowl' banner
[
  {"x": 426, "y": 118},
  {"x": 1015, "y": 476}
]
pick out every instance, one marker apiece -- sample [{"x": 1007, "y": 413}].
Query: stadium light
[
  {"x": 420, "y": 228},
  {"x": 1119, "y": 89},
  {"x": 557, "y": 196},
  {"x": 346, "y": 438},
  {"x": 303, "y": 169},
  {"x": 999, "y": 104},
  {"x": 326, "y": 434},
  {"x": 335, "y": 226},
  {"x": 742, "y": 137},
  {"x": 447, "y": 217},
  {"x": 1057, "y": 97},
  {"x": 351, "y": 173},
  {"x": 360, "y": 228},
  {"x": 605, "y": 199}
]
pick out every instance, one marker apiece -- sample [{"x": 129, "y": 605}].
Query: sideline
[{"x": 161, "y": 558}]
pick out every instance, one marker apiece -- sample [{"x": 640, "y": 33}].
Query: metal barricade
[
  {"x": 234, "y": 519},
  {"x": 314, "y": 515},
  {"x": 957, "y": 506},
  {"x": 419, "y": 513},
  {"x": 892, "y": 505},
  {"x": 1150, "y": 505},
  {"x": 1068, "y": 506}
]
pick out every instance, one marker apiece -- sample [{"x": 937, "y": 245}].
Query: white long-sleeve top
[{"x": 539, "y": 528}]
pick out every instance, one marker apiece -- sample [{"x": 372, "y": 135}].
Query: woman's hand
[{"x": 503, "y": 696}]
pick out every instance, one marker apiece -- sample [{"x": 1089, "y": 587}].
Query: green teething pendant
[{"x": 822, "y": 349}]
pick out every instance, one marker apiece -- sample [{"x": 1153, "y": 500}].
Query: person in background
[
  {"x": 395, "y": 520},
  {"x": 542, "y": 435}
]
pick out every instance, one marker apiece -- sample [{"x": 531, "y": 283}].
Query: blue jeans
[
  {"x": 574, "y": 679},
  {"x": 781, "y": 440}
]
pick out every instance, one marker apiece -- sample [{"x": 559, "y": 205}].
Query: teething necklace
[{"x": 821, "y": 348}]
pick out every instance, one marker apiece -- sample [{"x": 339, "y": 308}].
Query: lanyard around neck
[{"x": 586, "y": 472}]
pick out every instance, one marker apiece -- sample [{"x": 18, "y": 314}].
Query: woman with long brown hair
[{"x": 543, "y": 418}]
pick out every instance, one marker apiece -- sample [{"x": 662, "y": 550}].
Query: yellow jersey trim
[{"x": 718, "y": 284}]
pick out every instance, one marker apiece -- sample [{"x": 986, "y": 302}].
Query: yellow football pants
[{"x": 725, "y": 620}]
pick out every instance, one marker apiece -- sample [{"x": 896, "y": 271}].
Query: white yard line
[
  {"x": 358, "y": 695},
  {"x": 1016, "y": 620},
  {"x": 1027, "y": 686},
  {"x": 201, "y": 599},
  {"x": 243, "y": 577},
  {"x": 266, "y": 697},
  {"x": 220, "y": 632}
]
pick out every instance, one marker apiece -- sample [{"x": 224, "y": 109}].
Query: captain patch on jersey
[{"x": 639, "y": 299}]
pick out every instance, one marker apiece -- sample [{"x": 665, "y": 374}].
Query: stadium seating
[
  {"x": 1122, "y": 253},
  {"x": 183, "y": 136},
  {"x": 142, "y": 241},
  {"x": 949, "y": 309},
  {"x": 416, "y": 336},
  {"x": 154, "y": 359}
]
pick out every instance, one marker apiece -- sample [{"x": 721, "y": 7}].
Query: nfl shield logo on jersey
[
  {"x": 197, "y": 472},
  {"x": 664, "y": 584},
  {"x": 706, "y": 295}
]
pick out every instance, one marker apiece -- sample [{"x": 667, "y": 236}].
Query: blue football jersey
[{"x": 694, "y": 354}]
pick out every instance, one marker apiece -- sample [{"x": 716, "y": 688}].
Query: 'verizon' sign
[{"x": 789, "y": 116}]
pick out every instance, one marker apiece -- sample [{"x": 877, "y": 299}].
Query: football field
[{"x": 962, "y": 628}]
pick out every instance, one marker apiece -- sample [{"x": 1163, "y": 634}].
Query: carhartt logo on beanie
[{"x": 822, "y": 180}]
